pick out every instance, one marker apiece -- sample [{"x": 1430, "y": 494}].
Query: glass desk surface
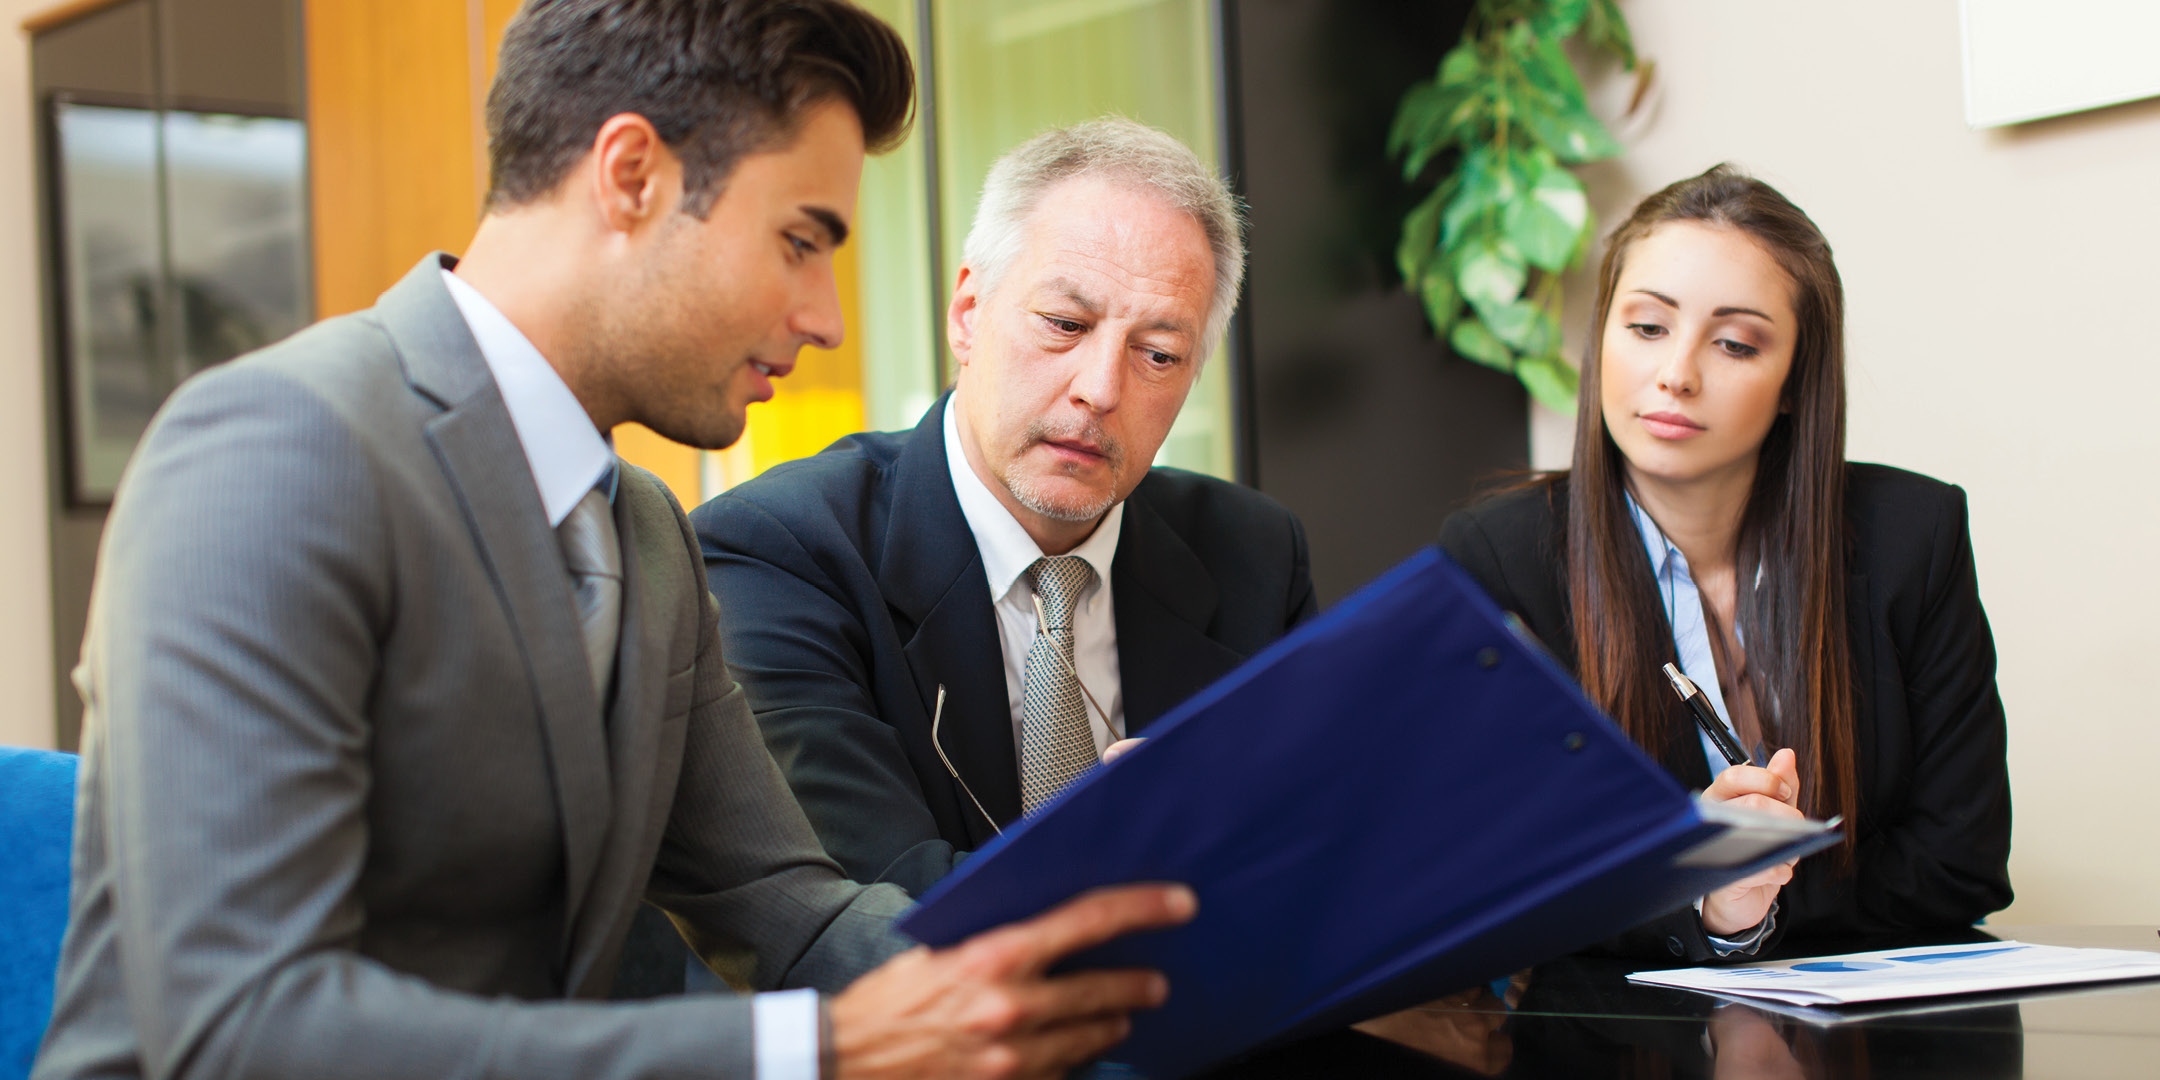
[{"x": 1579, "y": 1017}]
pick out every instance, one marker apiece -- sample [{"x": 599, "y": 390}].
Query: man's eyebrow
[
  {"x": 1071, "y": 290},
  {"x": 835, "y": 229}
]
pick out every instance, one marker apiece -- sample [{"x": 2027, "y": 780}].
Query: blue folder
[{"x": 1399, "y": 800}]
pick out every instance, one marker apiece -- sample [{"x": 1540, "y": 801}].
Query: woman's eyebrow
[{"x": 1718, "y": 314}]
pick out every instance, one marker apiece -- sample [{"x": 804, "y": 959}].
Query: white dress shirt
[
  {"x": 568, "y": 456},
  {"x": 564, "y": 449},
  {"x": 1007, "y": 552}
]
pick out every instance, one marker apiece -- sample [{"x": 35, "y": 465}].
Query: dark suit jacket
[
  {"x": 350, "y": 806},
  {"x": 853, "y": 589},
  {"x": 1934, "y": 813}
]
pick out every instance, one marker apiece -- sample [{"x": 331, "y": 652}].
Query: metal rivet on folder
[
  {"x": 1488, "y": 658},
  {"x": 1573, "y": 742}
]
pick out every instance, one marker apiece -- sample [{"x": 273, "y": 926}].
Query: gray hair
[{"x": 1120, "y": 150}]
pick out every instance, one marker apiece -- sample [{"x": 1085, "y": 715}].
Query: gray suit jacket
[{"x": 349, "y": 803}]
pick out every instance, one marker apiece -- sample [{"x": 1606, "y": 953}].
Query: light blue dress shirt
[
  {"x": 1691, "y": 632},
  {"x": 1691, "y": 639},
  {"x": 568, "y": 456}
]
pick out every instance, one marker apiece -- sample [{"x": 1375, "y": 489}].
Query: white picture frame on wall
[{"x": 2032, "y": 59}]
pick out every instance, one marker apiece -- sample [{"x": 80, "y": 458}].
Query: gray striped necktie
[
  {"x": 1056, "y": 744},
  {"x": 594, "y": 558}
]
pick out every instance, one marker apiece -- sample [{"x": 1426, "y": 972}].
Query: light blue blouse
[
  {"x": 1691, "y": 638},
  {"x": 1684, "y": 611}
]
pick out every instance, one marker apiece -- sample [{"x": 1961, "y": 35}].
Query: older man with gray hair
[{"x": 940, "y": 628}]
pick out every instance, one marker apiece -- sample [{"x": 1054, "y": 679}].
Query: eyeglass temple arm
[
  {"x": 937, "y": 717},
  {"x": 1040, "y": 622}
]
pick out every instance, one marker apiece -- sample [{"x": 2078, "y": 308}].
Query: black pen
[{"x": 1706, "y": 717}]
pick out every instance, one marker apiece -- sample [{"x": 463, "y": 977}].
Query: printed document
[{"x": 1912, "y": 973}]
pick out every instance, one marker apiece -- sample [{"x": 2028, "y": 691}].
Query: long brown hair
[{"x": 1792, "y": 531}]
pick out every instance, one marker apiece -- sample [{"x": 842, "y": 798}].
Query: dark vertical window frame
[{"x": 1230, "y": 153}]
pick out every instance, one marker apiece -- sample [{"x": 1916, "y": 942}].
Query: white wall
[
  {"x": 2001, "y": 287},
  {"x": 26, "y": 656}
]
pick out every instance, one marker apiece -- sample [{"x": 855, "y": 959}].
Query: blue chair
[{"x": 37, "y": 828}]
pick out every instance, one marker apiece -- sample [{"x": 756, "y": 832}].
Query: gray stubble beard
[{"x": 1028, "y": 493}]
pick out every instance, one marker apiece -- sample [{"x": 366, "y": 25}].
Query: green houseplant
[{"x": 1495, "y": 130}]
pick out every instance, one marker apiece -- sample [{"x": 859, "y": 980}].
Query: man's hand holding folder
[{"x": 993, "y": 991}]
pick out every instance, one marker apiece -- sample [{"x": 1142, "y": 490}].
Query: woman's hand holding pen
[{"x": 1737, "y": 907}]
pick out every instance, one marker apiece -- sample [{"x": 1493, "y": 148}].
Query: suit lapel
[
  {"x": 1164, "y": 602},
  {"x": 1860, "y": 631},
  {"x": 485, "y": 467},
  {"x": 932, "y": 577}
]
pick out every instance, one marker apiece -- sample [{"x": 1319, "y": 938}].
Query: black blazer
[
  {"x": 852, "y": 588},
  {"x": 1934, "y": 800}
]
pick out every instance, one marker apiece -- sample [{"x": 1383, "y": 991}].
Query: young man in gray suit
[
  {"x": 940, "y": 628},
  {"x": 402, "y": 692}
]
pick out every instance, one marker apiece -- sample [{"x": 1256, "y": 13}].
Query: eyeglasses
[{"x": 937, "y": 720}]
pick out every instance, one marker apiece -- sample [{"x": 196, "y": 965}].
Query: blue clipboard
[{"x": 1400, "y": 799}]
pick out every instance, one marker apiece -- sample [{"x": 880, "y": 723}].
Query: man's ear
[
  {"x": 960, "y": 315},
  {"x": 634, "y": 177}
]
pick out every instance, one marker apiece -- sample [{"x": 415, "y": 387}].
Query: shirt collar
[
  {"x": 1007, "y": 549},
  {"x": 1665, "y": 556},
  {"x": 565, "y": 451}
]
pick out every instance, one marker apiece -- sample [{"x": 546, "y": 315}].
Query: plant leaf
[
  {"x": 1478, "y": 193},
  {"x": 1430, "y": 123},
  {"x": 1420, "y": 232},
  {"x": 1566, "y": 128},
  {"x": 1410, "y": 116},
  {"x": 1559, "y": 18},
  {"x": 1555, "y": 110},
  {"x": 1429, "y": 103},
  {"x": 1462, "y": 66},
  {"x": 1442, "y": 302},
  {"x": 1472, "y": 341},
  {"x": 1458, "y": 123},
  {"x": 1547, "y": 65},
  {"x": 1551, "y": 380},
  {"x": 1527, "y": 328},
  {"x": 1605, "y": 28},
  {"x": 1548, "y": 224},
  {"x": 1490, "y": 271},
  {"x": 1510, "y": 322}
]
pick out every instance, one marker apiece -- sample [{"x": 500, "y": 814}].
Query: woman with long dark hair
[{"x": 1829, "y": 609}]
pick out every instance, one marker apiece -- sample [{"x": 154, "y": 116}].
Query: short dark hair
[{"x": 718, "y": 79}]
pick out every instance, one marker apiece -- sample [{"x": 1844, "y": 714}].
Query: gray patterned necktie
[
  {"x": 1056, "y": 744},
  {"x": 594, "y": 558}
]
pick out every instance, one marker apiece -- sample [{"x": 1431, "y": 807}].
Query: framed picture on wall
[{"x": 179, "y": 242}]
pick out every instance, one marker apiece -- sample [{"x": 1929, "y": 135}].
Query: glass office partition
[{"x": 899, "y": 299}]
